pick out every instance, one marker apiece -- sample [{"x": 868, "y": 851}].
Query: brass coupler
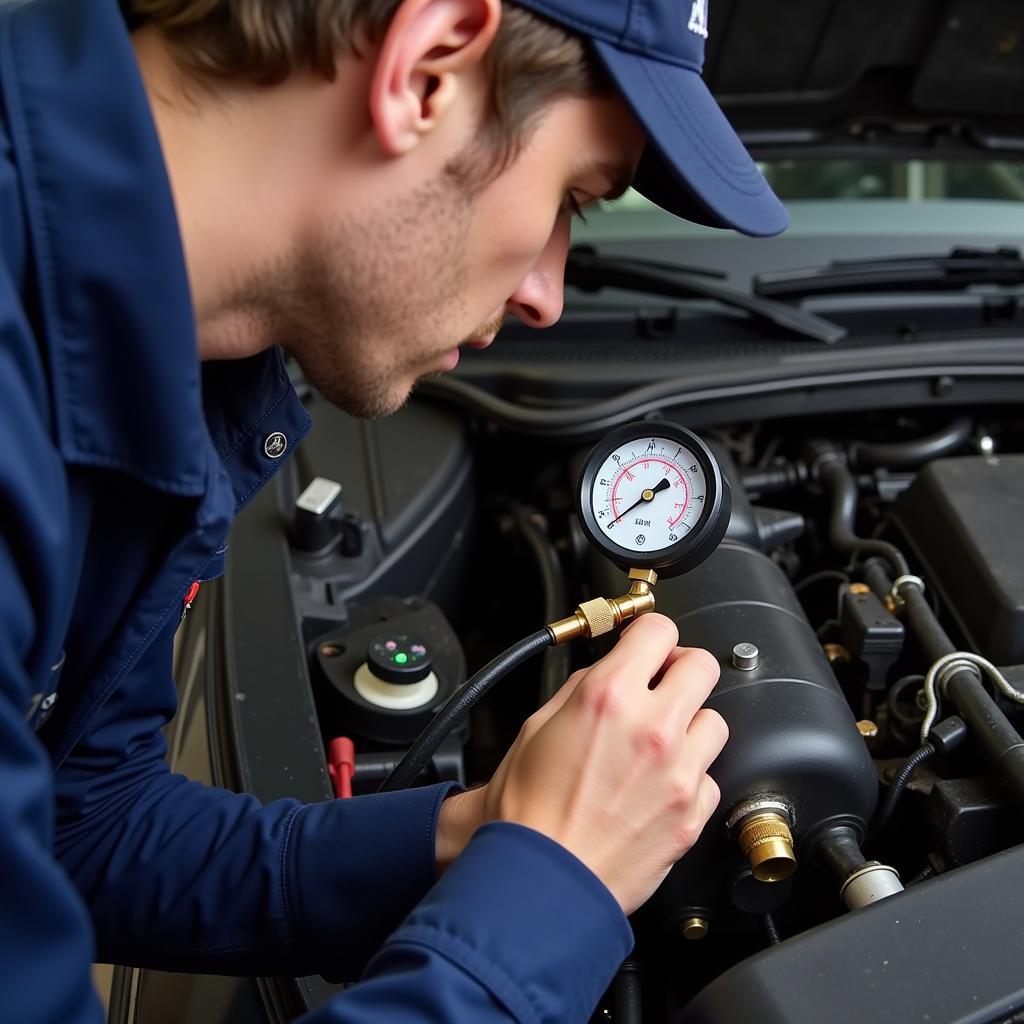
[
  {"x": 762, "y": 827},
  {"x": 603, "y": 614}
]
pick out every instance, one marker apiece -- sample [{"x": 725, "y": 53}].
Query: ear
[{"x": 428, "y": 45}]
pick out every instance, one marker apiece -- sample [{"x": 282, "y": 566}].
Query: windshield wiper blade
[
  {"x": 590, "y": 271},
  {"x": 961, "y": 268}
]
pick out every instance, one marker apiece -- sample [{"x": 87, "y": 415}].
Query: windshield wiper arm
[
  {"x": 589, "y": 271},
  {"x": 961, "y": 268}
]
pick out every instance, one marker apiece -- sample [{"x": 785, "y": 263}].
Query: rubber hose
[
  {"x": 999, "y": 740},
  {"x": 839, "y": 850},
  {"x": 458, "y": 706},
  {"x": 556, "y": 663},
  {"x": 907, "y": 723},
  {"x": 627, "y": 995},
  {"x": 774, "y": 479},
  {"x": 898, "y": 785},
  {"x": 843, "y": 488},
  {"x": 911, "y": 454}
]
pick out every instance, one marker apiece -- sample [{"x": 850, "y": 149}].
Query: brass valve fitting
[
  {"x": 602, "y": 614},
  {"x": 763, "y": 830}
]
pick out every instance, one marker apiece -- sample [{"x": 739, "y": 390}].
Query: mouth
[{"x": 479, "y": 342}]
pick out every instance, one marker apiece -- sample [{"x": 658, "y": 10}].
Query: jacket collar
[{"x": 113, "y": 290}]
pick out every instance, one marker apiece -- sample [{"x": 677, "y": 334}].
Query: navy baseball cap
[{"x": 695, "y": 165}]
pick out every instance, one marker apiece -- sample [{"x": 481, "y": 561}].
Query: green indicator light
[{"x": 401, "y": 658}]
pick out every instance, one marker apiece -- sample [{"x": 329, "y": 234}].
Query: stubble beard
[{"x": 367, "y": 305}]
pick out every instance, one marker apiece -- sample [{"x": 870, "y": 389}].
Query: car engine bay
[{"x": 862, "y": 549}]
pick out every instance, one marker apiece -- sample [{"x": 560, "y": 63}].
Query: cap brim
[{"x": 695, "y": 165}]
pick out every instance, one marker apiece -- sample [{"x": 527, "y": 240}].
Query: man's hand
[{"x": 615, "y": 769}]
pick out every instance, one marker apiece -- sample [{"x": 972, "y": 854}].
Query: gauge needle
[{"x": 648, "y": 495}]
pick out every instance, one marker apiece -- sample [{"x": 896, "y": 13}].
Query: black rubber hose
[
  {"x": 899, "y": 783},
  {"x": 556, "y": 663},
  {"x": 774, "y": 479},
  {"x": 908, "y": 724},
  {"x": 627, "y": 996},
  {"x": 911, "y": 454},
  {"x": 838, "y": 848},
  {"x": 843, "y": 488},
  {"x": 458, "y": 706},
  {"x": 998, "y": 739}
]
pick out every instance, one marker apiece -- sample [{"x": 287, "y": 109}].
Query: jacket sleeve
[
  {"x": 178, "y": 875},
  {"x": 516, "y": 930},
  {"x": 45, "y": 941},
  {"x": 182, "y": 876}
]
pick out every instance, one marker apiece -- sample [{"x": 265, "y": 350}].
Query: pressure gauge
[{"x": 651, "y": 496}]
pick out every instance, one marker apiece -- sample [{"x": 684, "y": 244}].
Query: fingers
[
  {"x": 708, "y": 798},
  {"x": 641, "y": 650},
  {"x": 705, "y": 739},
  {"x": 688, "y": 680}
]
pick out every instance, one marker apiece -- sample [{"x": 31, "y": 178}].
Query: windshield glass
[
  {"x": 909, "y": 180},
  {"x": 839, "y": 210}
]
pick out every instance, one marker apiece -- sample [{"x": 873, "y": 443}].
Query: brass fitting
[
  {"x": 694, "y": 928},
  {"x": 836, "y": 652},
  {"x": 867, "y": 729},
  {"x": 762, "y": 827},
  {"x": 859, "y": 588},
  {"x": 602, "y": 614},
  {"x": 768, "y": 844}
]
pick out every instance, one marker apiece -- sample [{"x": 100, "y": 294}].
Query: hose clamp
[
  {"x": 951, "y": 667},
  {"x": 902, "y": 581}
]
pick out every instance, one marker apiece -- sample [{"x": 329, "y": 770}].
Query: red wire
[{"x": 341, "y": 765}]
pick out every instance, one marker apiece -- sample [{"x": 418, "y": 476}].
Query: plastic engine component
[
  {"x": 946, "y": 950},
  {"x": 962, "y": 518},
  {"x": 792, "y": 733}
]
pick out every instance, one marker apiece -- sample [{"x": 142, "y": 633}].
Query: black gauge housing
[{"x": 707, "y": 532}]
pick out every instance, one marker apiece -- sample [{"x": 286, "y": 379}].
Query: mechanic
[{"x": 184, "y": 185}]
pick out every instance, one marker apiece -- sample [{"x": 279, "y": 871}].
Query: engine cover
[
  {"x": 962, "y": 520},
  {"x": 792, "y": 733}
]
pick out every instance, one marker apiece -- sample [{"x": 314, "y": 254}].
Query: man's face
[{"x": 371, "y": 301}]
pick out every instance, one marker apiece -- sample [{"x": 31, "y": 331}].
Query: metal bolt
[
  {"x": 986, "y": 445},
  {"x": 332, "y": 650},
  {"x": 745, "y": 657},
  {"x": 867, "y": 728},
  {"x": 694, "y": 928}
]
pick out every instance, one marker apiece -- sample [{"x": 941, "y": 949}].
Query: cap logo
[{"x": 698, "y": 23}]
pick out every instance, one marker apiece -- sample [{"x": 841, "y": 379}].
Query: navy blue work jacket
[{"x": 122, "y": 464}]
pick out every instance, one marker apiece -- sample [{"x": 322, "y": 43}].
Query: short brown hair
[{"x": 532, "y": 61}]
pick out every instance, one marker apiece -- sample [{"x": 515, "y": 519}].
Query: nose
[{"x": 540, "y": 297}]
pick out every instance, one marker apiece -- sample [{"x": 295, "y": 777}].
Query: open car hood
[{"x": 849, "y": 78}]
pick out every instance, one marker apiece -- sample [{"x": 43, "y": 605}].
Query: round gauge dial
[
  {"x": 652, "y": 497},
  {"x": 649, "y": 492}
]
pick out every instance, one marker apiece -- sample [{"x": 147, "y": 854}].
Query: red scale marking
[{"x": 679, "y": 482}]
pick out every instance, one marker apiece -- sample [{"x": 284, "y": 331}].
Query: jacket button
[{"x": 275, "y": 445}]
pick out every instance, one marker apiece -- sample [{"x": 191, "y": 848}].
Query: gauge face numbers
[{"x": 648, "y": 494}]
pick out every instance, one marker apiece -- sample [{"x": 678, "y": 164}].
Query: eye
[{"x": 575, "y": 208}]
